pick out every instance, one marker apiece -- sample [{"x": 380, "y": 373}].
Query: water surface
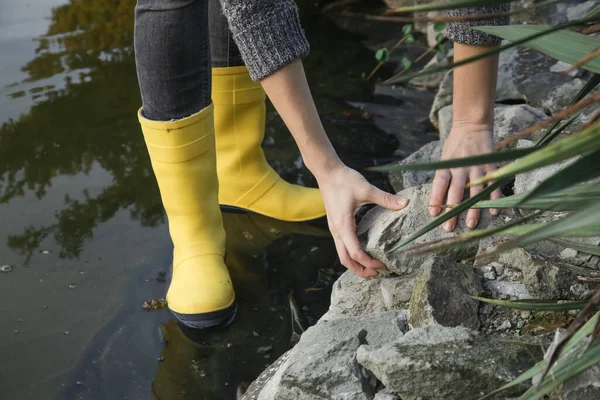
[{"x": 85, "y": 235}]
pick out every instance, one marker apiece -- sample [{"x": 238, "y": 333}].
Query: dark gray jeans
[{"x": 175, "y": 41}]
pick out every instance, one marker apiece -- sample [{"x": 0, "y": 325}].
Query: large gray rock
[
  {"x": 381, "y": 229},
  {"x": 441, "y": 295},
  {"x": 434, "y": 80},
  {"x": 529, "y": 180},
  {"x": 506, "y": 84},
  {"x": 323, "y": 364},
  {"x": 578, "y": 11},
  {"x": 437, "y": 362},
  {"x": 550, "y": 91},
  {"x": 354, "y": 296},
  {"x": 508, "y": 120},
  {"x": 523, "y": 74},
  {"x": 404, "y": 179}
]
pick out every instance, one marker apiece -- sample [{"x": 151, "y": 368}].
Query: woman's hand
[
  {"x": 449, "y": 184},
  {"x": 344, "y": 191}
]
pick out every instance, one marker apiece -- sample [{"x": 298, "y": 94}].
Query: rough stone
[
  {"x": 585, "y": 385},
  {"x": 381, "y": 229},
  {"x": 442, "y": 98},
  {"x": 385, "y": 394},
  {"x": 438, "y": 362},
  {"x": 404, "y": 179},
  {"x": 323, "y": 364},
  {"x": 442, "y": 293},
  {"x": 353, "y": 296},
  {"x": 550, "y": 91},
  {"x": 529, "y": 180},
  {"x": 577, "y": 11},
  {"x": 506, "y": 85},
  {"x": 508, "y": 120},
  {"x": 434, "y": 80},
  {"x": 530, "y": 276}
]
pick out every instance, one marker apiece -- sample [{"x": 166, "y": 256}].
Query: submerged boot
[
  {"x": 246, "y": 181},
  {"x": 183, "y": 159}
]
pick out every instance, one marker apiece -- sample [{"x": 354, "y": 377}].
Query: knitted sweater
[{"x": 269, "y": 36}]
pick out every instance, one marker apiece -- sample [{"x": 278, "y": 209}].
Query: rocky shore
[{"x": 415, "y": 333}]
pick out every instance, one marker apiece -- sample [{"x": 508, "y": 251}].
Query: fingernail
[
  {"x": 494, "y": 211},
  {"x": 402, "y": 202},
  {"x": 434, "y": 211},
  {"x": 471, "y": 223},
  {"x": 448, "y": 226}
]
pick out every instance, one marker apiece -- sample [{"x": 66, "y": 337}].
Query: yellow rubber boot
[
  {"x": 246, "y": 180},
  {"x": 183, "y": 159}
]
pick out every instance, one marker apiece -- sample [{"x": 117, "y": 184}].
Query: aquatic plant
[{"x": 569, "y": 190}]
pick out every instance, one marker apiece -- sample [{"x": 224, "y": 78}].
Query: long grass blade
[
  {"x": 495, "y": 157},
  {"x": 582, "y": 247},
  {"x": 562, "y": 45},
  {"x": 553, "y": 132},
  {"x": 535, "y": 305},
  {"x": 563, "y": 371},
  {"x": 539, "y": 367},
  {"x": 407, "y": 77},
  {"x": 462, "y": 239},
  {"x": 566, "y": 199},
  {"x": 586, "y": 141},
  {"x": 593, "y": 14},
  {"x": 448, "y": 5},
  {"x": 449, "y": 214},
  {"x": 588, "y": 217},
  {"x": 462, "y": 18},
  {"x": 582, "y": 170}
]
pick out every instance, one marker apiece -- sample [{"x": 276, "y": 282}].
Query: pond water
[{"x": 83, "y": 238}]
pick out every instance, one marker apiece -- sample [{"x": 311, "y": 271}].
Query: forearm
[
  {"x": 474, "y": 87},
  {"x": 288, "y": 90}
]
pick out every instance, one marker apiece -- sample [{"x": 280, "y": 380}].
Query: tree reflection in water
[{"x": 92, "y": 123}]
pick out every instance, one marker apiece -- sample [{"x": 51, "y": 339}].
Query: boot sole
[
  {"x": 210, "y": 319},
  {"x": 319, "y": 222}
]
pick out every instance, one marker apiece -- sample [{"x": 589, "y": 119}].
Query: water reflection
[
  {"x": 91, "y": 124},
  {"x": 282, "y": 273},
  {"x": 78, "y": 141}
]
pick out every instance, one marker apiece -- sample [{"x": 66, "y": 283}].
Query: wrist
[
  {"x": 483, "y": 125},
  {"x": 323, "y": 165}
]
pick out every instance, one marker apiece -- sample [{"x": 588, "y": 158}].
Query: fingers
[
  {"x": 352, "y": 256},
  {"x": 358, "y": 255},
  {"x": 385, "y": 199},
  {"x": 496, "y": 194},
  {"x": 352, "y": 265},
  {"x": 455, "y": 195},
  {"x": 441, "y": 181},
  {"x": 473, "y": 214}
]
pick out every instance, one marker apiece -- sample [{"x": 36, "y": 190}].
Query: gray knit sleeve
[
  {"x": 460, "y": 32},
  {"x": 267, "y": 32}
]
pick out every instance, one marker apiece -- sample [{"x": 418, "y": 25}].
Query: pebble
[
  {"x": 504, "y": 326},
  {"x": 45, "y": 252},
  {"x": 568, "y": 253},
  {"x": 490, "y": 276},
  {"x": 6, "y": 268},
  {"x": 72, "y": 286},
  {"x": 264, "y": 349}
]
